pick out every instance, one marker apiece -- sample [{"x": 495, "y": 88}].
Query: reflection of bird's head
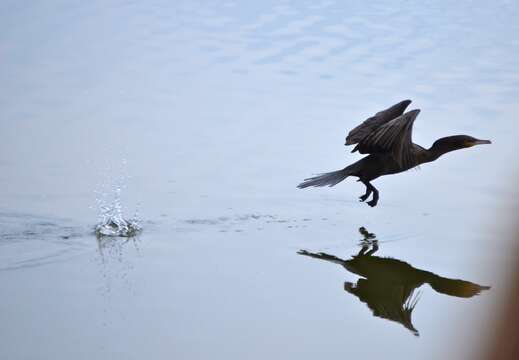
[
  {"x": 455, "y": 287},
  {"x": 458, "y": 142}
]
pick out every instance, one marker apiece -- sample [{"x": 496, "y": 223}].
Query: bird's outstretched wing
[
  {"x": 382, "y": 117},
  {"x": 393, "y": 137}
]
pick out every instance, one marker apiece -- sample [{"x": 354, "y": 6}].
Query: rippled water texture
[{"x": 217, "y": 111}]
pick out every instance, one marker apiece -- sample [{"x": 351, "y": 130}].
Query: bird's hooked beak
[{"x": 479, "y": 142}]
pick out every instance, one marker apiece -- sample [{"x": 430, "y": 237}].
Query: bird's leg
[
  {"x": 373, "y": 201},
  {"x": 374, "y": 248},
  {"x": 368, "y": 190},
  {"x": 362, "y": 251}
]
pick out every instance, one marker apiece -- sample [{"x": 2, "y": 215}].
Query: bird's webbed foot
[
  {"x": 370, "y": 189},
  {"x": 372, "y": 202}
]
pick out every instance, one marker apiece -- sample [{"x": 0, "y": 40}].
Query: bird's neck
[{"x": 437, "y": 150}]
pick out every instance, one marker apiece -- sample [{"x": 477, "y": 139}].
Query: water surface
[{"x": 208, "y": 116}]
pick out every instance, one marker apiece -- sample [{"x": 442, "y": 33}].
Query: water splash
[
  {"x": 111, "y": 219},
  {"x": 118, "y": 226}
]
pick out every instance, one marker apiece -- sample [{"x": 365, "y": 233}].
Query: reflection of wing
[
  {"x": 387, "y": 300},
  {"x": 393, "y": 137},
  {"x": 368, "y": 126}
]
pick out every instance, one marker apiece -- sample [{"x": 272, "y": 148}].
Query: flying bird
[{"x": 386, "y": 137}]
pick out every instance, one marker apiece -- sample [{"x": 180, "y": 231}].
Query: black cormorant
[{"x": 386, "y": 137}]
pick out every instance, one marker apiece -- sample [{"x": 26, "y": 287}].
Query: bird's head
[{"x": 456, "y": 142}]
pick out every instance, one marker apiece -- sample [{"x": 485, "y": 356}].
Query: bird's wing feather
[
  {"x": 371, "y": 124},
  {"x": 395, "y": 137}
]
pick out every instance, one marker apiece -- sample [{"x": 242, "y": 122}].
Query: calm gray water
[{"x": 206, "y": 117}]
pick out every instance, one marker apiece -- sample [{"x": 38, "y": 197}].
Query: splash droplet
[{"x": 111, "y": 219}]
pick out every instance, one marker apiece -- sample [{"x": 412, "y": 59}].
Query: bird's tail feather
[{"x": 326, "y": 179}]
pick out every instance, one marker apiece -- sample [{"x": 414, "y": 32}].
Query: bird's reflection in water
[{"x": 387, "y": 286}]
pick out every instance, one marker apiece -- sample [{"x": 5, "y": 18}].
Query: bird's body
[{"x": 386, "y": 137}]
